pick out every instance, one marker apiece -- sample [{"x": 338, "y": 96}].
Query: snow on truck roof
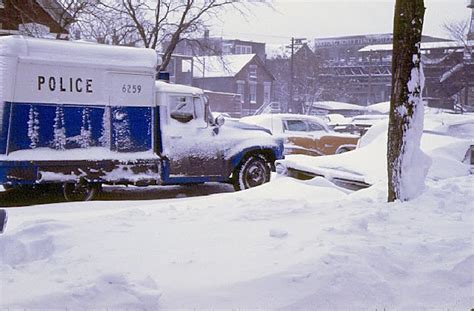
[
  {"x": 166, "y": 87},
  {"x": 77, "y": 52}
]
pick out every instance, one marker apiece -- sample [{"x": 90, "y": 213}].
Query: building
[
  {"x": 358, "y": 69},
  {"x": 243, "y": 74},
  {"x": 39, "y": 18},
  {"x": 470, "y": 35},
  {"x": 448, "y": 68},
  {"x": 180, "y": 69},
  {"x": 208, "y": 46},
  {"x": 305, "y": 82},
  {"x": 345, "y": 50}
]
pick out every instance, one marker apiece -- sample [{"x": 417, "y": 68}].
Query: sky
[{"x": 326, "y": 18}]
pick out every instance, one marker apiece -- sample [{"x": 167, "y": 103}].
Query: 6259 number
[{"x": 131, "y": 88}]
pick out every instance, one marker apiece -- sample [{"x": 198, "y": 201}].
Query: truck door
[{"x": 188, "y": 141}]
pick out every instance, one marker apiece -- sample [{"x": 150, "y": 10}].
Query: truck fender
[{"x": 268, "y": 153}]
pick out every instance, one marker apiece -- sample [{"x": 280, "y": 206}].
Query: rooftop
[{"x": 220, "y": 66}]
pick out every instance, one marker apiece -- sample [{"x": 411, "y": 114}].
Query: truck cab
[{"x": 83, "y": 115}]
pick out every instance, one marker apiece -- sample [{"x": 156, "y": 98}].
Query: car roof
[
  {"x": 264, "y": 119},
  {"x": 285, "y": 116}
]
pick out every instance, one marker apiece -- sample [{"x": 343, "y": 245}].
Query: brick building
[
  {"x": 39, "y": 18},
  {"x": 208, "y": 46},
  {"x": 243, "y": 74}
]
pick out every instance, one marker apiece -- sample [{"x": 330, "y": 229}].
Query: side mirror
[
  {"x": 183, "y": 117},
  {"x": 219, "y": 121}
]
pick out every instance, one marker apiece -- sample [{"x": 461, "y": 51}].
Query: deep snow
[{"x": 288, "y": 244}]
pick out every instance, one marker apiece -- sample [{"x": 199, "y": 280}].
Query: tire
[
  {"x": 253, "y": 171},
  {"x": 81, "y": 191}
]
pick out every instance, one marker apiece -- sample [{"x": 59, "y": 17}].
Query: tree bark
[{"x": 406, "y": 106}]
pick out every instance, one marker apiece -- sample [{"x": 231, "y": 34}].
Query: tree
[
  {"x": 407, "y": 164},
  {"x": 64, "y": 13},
  {"x": 150, "y": 23},
  {"x": 459, "y": 31},
  {"x": 306, "y": 86}
]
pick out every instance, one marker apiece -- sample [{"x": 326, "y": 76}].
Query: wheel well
[
  {"x": 345, "y": 148},
  {"x": 266, "y": 153}
]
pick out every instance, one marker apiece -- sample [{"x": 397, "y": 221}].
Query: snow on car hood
[{"x": 245, "y": 126}]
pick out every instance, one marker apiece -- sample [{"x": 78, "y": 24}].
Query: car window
[
  {"x": 315, "y": 127},
  {"x": 295, "y": 125}
]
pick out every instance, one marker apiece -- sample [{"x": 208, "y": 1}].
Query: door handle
[{"x": 176, "y": 137}]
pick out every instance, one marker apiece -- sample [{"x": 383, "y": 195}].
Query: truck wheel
[
  {"x": 253, "y": 171},
  {"x": 81, "y": 191}
]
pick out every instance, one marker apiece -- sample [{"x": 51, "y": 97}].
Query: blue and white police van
[{"x": 82, "y": 115}]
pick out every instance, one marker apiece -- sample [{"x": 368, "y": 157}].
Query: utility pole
[
  {"x": 292, "y": 75},
  {"x": 369, "y": 81},
  {"x": 294, "y": 42}
]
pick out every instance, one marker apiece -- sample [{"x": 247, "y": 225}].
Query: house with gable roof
[{"x": 243, "y": 74}]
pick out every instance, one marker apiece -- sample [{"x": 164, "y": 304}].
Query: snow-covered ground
[{"x": 288, "y": 244}]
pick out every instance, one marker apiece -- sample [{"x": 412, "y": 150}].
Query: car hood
[{"x": 245, "y": 126}]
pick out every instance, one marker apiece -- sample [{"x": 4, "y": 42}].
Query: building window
[
  {"x": 241, "y": 90},
  {"x": 253, "y": 93},
  {"x": 243, "y": 49},
  {"x": 227, "y": 48},
  {"x": 186, "y": 65},
  {"x": 267, "y": 92},
  {"x": 253, "y": 72}
]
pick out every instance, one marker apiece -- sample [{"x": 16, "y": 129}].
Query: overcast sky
[{"x": 326, "y": 18}]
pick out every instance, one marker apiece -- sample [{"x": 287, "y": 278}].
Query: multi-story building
[
  {"x": 208, "y": 46},
  {"x": 360, "y": 67},
  {"x": 180, "y": 69}
]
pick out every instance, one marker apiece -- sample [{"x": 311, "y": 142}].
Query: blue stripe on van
[
  {"x": 36, "y": 125},
  {"x": 4, "y": 121}
]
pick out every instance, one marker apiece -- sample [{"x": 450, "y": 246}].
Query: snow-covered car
[
  {"x": 302, "y": 134},
  {"x": 445, "y": 140}
]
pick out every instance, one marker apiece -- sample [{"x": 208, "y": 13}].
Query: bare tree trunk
[{"x": 406, "y": 163}]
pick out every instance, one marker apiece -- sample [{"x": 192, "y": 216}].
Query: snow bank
[
  {"x": 368, "y": 162},
  {"x": 288, "y": 244}
]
